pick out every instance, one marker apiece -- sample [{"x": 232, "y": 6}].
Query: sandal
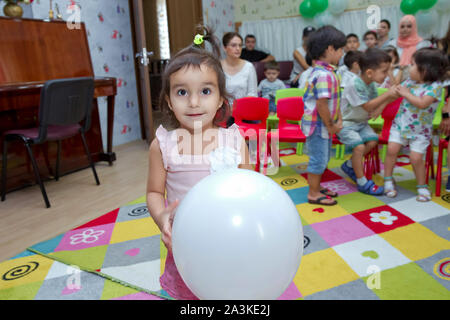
[
  {"x": 319, "y": 201},
  {"x": 390, "y": 193},
  {"x": 371, "y": 188},
  {"x": 424, "y": 195},
  {"x": 329, "y": 193}
]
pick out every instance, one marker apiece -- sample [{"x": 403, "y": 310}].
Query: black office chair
[{"x": 64, "y": 111}]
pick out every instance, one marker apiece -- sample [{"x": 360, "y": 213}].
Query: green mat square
[
  {"x": 89, "y": 259},
  {"x": 358, "y": 201},
  {"x": 409, "y": 282},
  {"x": 25, "y": 292},
  {"x": 113, "y": 290}
]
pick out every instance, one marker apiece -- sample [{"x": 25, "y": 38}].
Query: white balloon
[
  {"x": 337, "y": 7},
  {"x": 322, "y": 19},
  {"x": 426, "y": 19},
  {"x": 237, "y": 235}
]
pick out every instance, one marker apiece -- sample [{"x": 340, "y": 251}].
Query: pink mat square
[
  {"x": 139, "y": 296},
  {"x": 93, "y": 236},
  {"x": 291, "y": 293},
  {"x": 340, "y": 186},
  {"x": 342, "y": 229}
]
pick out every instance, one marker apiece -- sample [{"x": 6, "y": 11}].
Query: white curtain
[{"x": 281, "y": 37}]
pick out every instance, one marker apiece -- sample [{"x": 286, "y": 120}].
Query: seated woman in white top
[
  {"x": 408, "y": 41},
  {"x": 240, "y": 75},
  {"x": 300, "y": 63}
]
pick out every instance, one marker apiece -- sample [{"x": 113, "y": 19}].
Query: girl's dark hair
[
  {"x": 195, "y": 56},
  {"x": 372, "y": 33},
  {"x": 432, "y": 64},
  {"x": 392, "y": 49},
  {"x": 228, "y": 36},
  {"x": 373, "y": 58},
  {"x": 322, "y": 38}
]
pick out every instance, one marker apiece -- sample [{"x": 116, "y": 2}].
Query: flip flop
[
  {"x": 319, "y": 201},
  {"x": 329, "y": 193}
]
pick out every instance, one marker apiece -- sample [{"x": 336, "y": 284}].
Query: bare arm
[
  {"x": 156, "y": 183},
  {"x": 268, "y": 58},
  {"x": 324, "y": 113},
  {"x": 418, "y": 102},
  {"x": 300, "y": 59}
]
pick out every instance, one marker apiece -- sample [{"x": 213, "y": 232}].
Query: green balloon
[
  {"x": 425, "y": 4},
  {"x": 320, "y": 5},
  {"x": 306, "y": 9},
  {"x": 409, "y": 6}
]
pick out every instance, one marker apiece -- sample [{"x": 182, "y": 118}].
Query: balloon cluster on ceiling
[{"x": 325, "y": 11}]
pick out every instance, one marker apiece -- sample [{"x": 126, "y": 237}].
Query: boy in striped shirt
[{"x": 322, "y": 118}]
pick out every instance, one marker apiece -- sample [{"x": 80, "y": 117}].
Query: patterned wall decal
[{"x": 110, "y": 41}]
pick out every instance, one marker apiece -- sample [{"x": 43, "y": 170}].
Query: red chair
[
  {"x": 443, "y": 145},
  {"x": 287, "y": 109},
  {"x": 252, "y": 109}
]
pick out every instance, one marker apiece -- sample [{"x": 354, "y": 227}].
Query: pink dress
[{"x": 183, "y": 172}]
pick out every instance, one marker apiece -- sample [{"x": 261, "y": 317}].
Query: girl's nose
[{"x": 194, "y": 100}]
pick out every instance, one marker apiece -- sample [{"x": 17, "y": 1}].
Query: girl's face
[
  {"x": 194, "y": 97},
  {"x": 414, "y": 72},
  {"x": 370, "y": 41},
  {"x": 405, "y": 29},
  {"x": 234, "y": 47}
]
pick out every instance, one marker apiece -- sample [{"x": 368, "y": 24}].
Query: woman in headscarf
[{"x": 408, "y": 40}]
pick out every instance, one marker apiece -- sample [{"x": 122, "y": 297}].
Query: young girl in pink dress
[{"x": 194, "y": 96}]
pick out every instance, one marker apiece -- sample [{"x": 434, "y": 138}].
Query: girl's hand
[
  {"x": 393, "y": 92},
  {"x": 402, "y": 91},
  {"x": 168, "y": 215}
]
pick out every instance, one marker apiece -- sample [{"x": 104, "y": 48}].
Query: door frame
[{"x": 143, "y": 90}]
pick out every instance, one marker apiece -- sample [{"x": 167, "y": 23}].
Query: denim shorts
[
  {"x": 356, "y": 134},
  {"x": 272, "y": 105},
  {"x": 319, "y": 151}
]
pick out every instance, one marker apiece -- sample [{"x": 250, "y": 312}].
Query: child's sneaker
[
  {"x": 371, "y": 188},
  {"x": 349, "y": 171}
]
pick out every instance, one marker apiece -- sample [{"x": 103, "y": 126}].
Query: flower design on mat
[
  {"x": 385, "y": 217},
  {"x": 87, "y": 236},
  {"x": 338, "y": 186}
]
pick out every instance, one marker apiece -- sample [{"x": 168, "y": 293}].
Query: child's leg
[
  {"x": 389, "y": 163},
  {"x": 318, "y": 151},
  {"x": 418, "y": 149}
]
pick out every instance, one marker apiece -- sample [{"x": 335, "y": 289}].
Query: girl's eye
[
  {"x": 206, "y": 91},
  {"x": 181, "y": 92}
]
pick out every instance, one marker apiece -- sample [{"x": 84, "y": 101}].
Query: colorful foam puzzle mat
[{"x": 363, "y": 248}]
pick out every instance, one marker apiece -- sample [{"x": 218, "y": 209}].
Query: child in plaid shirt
[{"x": 322, "y": 118}]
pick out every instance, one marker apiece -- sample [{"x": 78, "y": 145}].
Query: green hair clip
[{"x": 198, "y": 40}]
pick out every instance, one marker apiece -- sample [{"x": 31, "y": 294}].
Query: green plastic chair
[{"x": 272, "y": 120}]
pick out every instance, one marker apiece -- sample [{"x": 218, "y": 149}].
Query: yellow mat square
[
  {"x": 24, "y": 270},
  {"x": 415, "y": 241},
  {"x": 294, "y": 159},
  {"x": 322, "y": 270},
  {"x": 291, "y": 182},
  {"x": 321, "y": 213},
  {"x": 134, "y": 229}
]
